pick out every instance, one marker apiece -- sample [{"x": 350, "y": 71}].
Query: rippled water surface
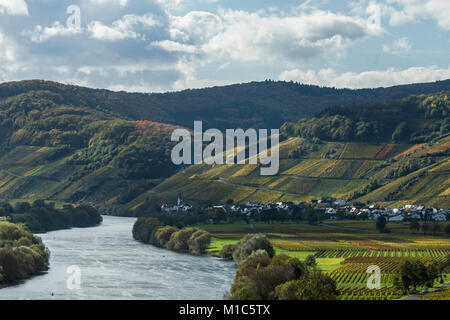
[{"x": 114, "y": 266}]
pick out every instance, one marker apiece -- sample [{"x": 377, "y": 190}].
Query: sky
[{"x": 170, "y": 45}]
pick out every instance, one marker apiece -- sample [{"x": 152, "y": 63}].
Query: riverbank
[
  {"x": 40, "y": 216},
  {"x": 151, "y": 231},
  {"x": 115, "y": 266},
  {"x": 22, "y": 254}
]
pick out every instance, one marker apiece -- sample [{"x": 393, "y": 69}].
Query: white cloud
[
  {"x": 195, "y": 27},
  {"x": 369, "y": 79},
  {"x": 172, "y": 46},
  {"x": 400, "y": 12},
  {"x": 14, "y": 7},
  {"x": 122, "y": 28},
  {"x": 121, "y": 2},
  {"x": 176, "y": 5},
  {"x": 41, "y": 34},
  {"x": 7, "y": 53},
  {"x": 247, "y": 37},
  {"x": 399, "y": 47},
  {"x": 413, "y": 10}
]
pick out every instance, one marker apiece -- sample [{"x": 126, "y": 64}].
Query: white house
[
  {"x": 397, "y": 218},
  {"x": 415, "y": 216},
  {"x": 439, "y": 217},
  {"x": 340, "y": 203}
]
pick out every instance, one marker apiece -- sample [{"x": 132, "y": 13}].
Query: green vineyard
[{"x": 352, "y": 276}]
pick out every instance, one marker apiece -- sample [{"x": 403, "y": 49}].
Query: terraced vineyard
[
  {"x": 346, "y": 169},
  {"x": 352, "y": 276}
]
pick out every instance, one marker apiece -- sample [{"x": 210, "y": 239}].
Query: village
[{"x": 330, "y": 208}]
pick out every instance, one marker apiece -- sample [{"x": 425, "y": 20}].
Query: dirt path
[{"x": 419, "y": 295}]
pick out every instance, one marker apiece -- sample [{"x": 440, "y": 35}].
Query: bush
[
  {"x": 10, "y": 265},
  {"x": 21, "y": 254},
  {"x": 199, "y": 242},
  {"x": 227, "y": 252},
  {"x": 318, "y": 286},
  {"x": 179, "y": 240},
  {"x": 288, "y": 290},
  {"x": 257, "y": 278},
  {"x": 286, "y": 278},
  {"x": 310, "y": 261},
  {"x": 161, "y": 235},
  {"x": 251, "y": 243},
  {"x": 258, "y": 259},
  {"x": 300, "y": 268},
  {"x": 144, "y": 227}
]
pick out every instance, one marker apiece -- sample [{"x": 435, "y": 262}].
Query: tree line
[
  {"x": 22, "y": 254},
  {"x": 262, "y": 275},
  {"x": 410, "y": 120},
  {"x": 415, "y": 273},
  {"x": 150, "y": 230},
  {"x": 41, "y": 216}
]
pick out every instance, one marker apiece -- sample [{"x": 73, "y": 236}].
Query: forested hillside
[
  {"x": 79, "y": 145},
  {"x": 257, "y": 104},
  {"x": 63, "y": 152},
  {"x": 411, "y": 120}
]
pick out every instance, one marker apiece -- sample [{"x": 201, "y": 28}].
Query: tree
[
  {"x": 199, "y": 242},
  {"x": 433, "y": 272},
  {"x": 312, "y": 216},
  {"x": 162, "y": 235},
  {"x": 381, "y": 224},
  {"x": 179, "y": 240},
  {"x": 425, "y": 228},
  {"x": 300, "y": 268},
  {"x": 251, "y": 243},
  {"x": 144, "y": 227},
  {"x": 436, "y": 228},
  {"x": 447, "y": 229},
  {"x": 411, "y": 273},
  {"x": 10, "y": 265},
  {"x": 310, "y": 261},
  {"x": 318, "y": 286},
  {"x": 414, "y": 225},
  {"x": 400, "y": 132},
  {"x": 227, "y": 252}
]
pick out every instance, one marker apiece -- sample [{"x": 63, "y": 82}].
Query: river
[{"x": 114, "y": 266}]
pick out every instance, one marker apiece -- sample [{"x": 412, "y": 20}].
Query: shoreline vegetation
[
  {"x": 22, "y": 254},
  {"x": 151, "y": 230},
  {"x": 42, "y": 217}
]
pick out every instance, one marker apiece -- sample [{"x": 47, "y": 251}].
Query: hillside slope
[
  {"x": 61, "y": 145},
  {"x": 257, "y": 104},
  {"x": 385, "y": 172},
  {"x": 69, "y": 153}
]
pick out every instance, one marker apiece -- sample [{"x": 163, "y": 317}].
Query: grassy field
[{"x": 343, "y": 249}]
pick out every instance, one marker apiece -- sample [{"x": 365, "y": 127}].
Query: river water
[{"x": 114, "y": 266}]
